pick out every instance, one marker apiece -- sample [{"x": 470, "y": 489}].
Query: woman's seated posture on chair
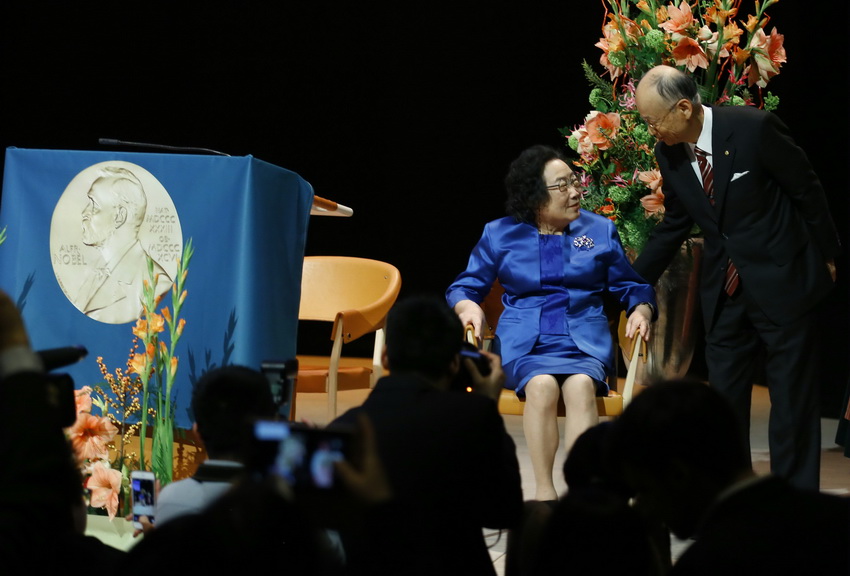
[{"x": 556, "y": 264}]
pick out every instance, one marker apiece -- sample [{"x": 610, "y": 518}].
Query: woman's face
[{"x": 563, "y": 206}]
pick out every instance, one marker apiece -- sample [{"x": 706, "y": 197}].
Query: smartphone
[
  {"x": 302, "y": 455},
  {"x": 282, "y": 377},
  {"x": 144, "y": 496}
]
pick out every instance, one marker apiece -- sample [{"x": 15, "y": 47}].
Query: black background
[{"x": 407, "y": 112}]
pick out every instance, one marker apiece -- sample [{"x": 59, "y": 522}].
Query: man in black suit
[
  {"x": 450, "y": 462},
  {"x": 769, "y": 249},
  {"x": 678, "y": 446}
]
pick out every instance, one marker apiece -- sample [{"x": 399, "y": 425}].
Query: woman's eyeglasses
[{"x": 565, "y": 185}]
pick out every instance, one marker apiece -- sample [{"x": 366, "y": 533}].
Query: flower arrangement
[
  {"x": 157, "y": 365},
  {"x": 730, "y": 60},
  {"x": 92, "y": 438},
  {"x": 127, "y": 405}
]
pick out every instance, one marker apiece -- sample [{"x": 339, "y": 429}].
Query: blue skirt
[{"x": 557, "y": 355}]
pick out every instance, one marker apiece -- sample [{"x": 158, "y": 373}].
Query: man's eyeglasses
[
  {"x": 654, "y": 125},
  {"x": 565, "y": 185}
]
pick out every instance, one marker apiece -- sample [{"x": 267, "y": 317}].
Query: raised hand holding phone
[{"x": 143, "y": 484}]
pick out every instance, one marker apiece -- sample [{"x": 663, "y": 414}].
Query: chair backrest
[
  {"x": 357, "y": 292},
  {"x": 493, "y": 308}
]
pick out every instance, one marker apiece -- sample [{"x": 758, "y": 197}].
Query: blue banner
[{"x": 80, "y": 227}]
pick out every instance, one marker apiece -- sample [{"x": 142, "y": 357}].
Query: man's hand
[
  {"x": 492, "y": 384},
  {"x": 147, "y": 526}
]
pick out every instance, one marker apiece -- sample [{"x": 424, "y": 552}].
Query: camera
[
  {"x": 302, "y": 455},
  {"x": 463, "y": 379},
  {"x": 60, "y": 389},
  {"x": 60, "y": 386}
]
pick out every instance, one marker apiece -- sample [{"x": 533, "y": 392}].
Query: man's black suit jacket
[
  {"x": 453, "y": 469},
  {"x": 770, "y": 216}
]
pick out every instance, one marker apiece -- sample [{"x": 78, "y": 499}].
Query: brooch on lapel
[{"x": 583, "y": 242}]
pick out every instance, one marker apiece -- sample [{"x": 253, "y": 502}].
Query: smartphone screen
[
  {"x": 302, "y": 455},
  {"x": 144, "y": 495}
]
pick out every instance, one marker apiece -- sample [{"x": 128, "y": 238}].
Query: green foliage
[{"x": 731, "y": 61}]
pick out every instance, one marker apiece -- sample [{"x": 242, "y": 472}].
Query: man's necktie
[{"x": 732, "y": 280}]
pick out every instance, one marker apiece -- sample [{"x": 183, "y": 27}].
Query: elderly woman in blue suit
[{"x": 557, "y": 264}]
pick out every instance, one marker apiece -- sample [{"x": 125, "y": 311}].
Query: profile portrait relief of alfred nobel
[{"x": 112, "y": 289}]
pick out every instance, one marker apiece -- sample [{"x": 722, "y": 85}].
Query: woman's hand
[
  {"x": 470, "y": 313},
  {"x": 639, "y": 321}
]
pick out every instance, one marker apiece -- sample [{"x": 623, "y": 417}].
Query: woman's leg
[
  {"x": 579, "y": 394},
  {"x": 540, "y": 425}
]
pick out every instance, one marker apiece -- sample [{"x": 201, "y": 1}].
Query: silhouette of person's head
[
  {"x": 225, "y": 402},
  {"x": 424, "y": 336},
  {"x": 679, "y": 445}
]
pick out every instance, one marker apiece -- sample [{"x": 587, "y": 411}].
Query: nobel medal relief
[{"x": 109, "y": 219}]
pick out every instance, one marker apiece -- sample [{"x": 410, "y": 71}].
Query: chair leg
[
  {"x": 628, "y": 388},
  {"x": 377, "y": 366},
  {"x": 333, "y": 372}
]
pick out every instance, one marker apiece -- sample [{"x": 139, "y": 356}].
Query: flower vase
[{"x": 671, "y": 347}]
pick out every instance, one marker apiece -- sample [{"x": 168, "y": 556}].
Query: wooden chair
[
  {"x": 355, "y": 294},
  {"x": 610, "y": 406}
]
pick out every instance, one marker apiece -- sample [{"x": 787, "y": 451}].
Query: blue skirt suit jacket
[{"x": 594, "y": 263}]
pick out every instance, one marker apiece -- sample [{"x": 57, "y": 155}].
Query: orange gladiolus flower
[
  {"x": 718, "y": 15},
  {"x": 153, "y": 325},
  {"x": 602, "y": 128},
  {"x": 157, "y": 324},
  {"x": 89, "y": 436},
  {"x": 731, "y": 36},
  {"x": 140, "y": 330},
  {"x": 741, "y": 56},
  {"x": 138, "y": 364},
  {"x": 173, "y": 365},
  {"x": 752, "y": 24},
  {"x": 105, "y": 485},
  {"x": 166, "y": 313}
]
